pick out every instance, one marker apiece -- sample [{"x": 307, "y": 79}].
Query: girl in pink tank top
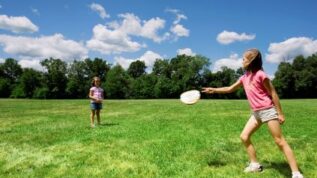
[
  {"x": 96, "y": 97},
  {"x": 266, "y": 107}
]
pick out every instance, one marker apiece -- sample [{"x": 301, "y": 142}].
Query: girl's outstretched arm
[{"x": 222, "y": 90}]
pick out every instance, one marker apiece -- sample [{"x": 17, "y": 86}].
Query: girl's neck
[{"x": 253, "y": 71}]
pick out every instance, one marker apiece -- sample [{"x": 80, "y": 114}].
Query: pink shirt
[
  {"x": 256, "y": 93},
  {"x": 97, "y": 92}
]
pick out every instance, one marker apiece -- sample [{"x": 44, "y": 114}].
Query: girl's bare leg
[
  {"x": 276, "y": 132},
  {"x": 251, "y": 126},
  {"x": 92, "y": 118},
  {"x": 98, "y": 116}
]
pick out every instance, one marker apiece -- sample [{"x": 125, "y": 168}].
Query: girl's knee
[
  {"x": 92, "y": 114},
  {"x": 280, "y": 142},
  {"x": 244, "y": 138}
]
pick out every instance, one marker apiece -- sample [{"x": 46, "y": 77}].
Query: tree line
[{"x": 167, "y": 79}]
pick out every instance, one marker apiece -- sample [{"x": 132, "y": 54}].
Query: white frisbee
[{"x": 190, "y": 97}]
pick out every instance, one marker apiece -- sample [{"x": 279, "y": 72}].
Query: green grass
[{"x": 147, "y": 138}]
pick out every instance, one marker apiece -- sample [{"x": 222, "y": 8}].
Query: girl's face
[
  {"x": 248, "y": 57},
  {"x": 97, "y": 82},
  {"x": 245, "y": 62}
]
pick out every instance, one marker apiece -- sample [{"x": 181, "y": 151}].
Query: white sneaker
[
  {"x": 254, "y": 167},
  {"x": 298, "y": 176}
]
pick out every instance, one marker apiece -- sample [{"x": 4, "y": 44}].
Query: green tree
[
  {"x": 10, "y": 71},
  {"x": 4, "y": 87},
  {"x": 284, "y": 80},
  {"x": 162, "y": 68},
  {"x": 117, "y": 83},
  {"x": 186, "y": 71},
  {"x": 304, "y": 77},
  {"x": 165, "y": 88},
  {"x": 29, "y": 81},
  {"x": 297, "y": 79},
  {"x": 78, "y": 80},
  {"x": 55, "y": 77},
  {"x": 136, "y": 69},
  {"x": 97, "y": 67},
  {"x": 311, "y": 65},
  {"x": 143, "y": 86}
]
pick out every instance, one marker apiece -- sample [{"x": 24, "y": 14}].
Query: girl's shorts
[
  {"x": 96, "y": 106},
  {"x": 265, "y": 115}
]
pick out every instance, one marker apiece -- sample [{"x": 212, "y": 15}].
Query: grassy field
[{"x": 147, "y": 138}]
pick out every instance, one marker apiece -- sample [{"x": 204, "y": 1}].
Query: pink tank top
[
  {"x": 97, "y": 92},
  {"x": 253, "y": 84}
]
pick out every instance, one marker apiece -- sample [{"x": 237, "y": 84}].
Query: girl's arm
[
  {"x": 91, "y": 95},
  {"x": 222, "y": 90},
  {"x": 271, "y": 90}
]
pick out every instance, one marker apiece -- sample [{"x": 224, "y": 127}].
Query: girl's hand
[
  {"x": 208, "y": 90},
  {"x": 281, "y": 119},
  {"x": 99, "y": 100}
]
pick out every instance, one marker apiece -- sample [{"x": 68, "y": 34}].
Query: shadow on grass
[
  {"x": 216, "y": 163},
  {"x": 108, "y": 124},
  {"x": 281, "y": 167},
  {"x": 103, "y": 125}
]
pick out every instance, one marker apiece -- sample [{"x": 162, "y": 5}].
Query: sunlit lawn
[{"x": 147, "y": 138}]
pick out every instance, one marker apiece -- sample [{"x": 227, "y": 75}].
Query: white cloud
[
  {"x": 132, "y": 25},
  {"x": 290, "y": 48},
  {"x": 35, "y": 11},
  {"x": 227, "y": 37},
  {"x": 151, "y": 27},
  {"x": 123, "y": 62},
  {"x": 116, "y": 37},
  {"x": 100, "y": 10},
  {"x": 17, "y": 24},
  {"x": 2, "y": 60},
  {"x": 149, "y": 58},
  {"x": 179, "y": 16},
  {"x": 108, "y": 41},
  {"x": 186, "y": 51},
  {"x": 233, "y": 62},
  {"x": 179, "y": 30},
  {"x": 43, "y": 47},
  {"x": 31, "y": 63}
]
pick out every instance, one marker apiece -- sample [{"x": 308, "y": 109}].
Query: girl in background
[{"x": 96, "y": 97}]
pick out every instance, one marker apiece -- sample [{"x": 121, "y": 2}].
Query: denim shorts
[
  {"x": 265, "y": 115},
  {"x": 96, "y": 106}
]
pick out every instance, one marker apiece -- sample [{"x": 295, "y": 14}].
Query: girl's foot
[
  {"x": 254, "y": 167},
  {"x": 297, "y": 175}
]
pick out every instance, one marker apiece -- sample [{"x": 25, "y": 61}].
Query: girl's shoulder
[
  {"x": 261, "y": 73},
  {"x": 96, "y": 88}
]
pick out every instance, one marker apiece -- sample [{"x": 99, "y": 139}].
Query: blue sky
[{"x": 124, "y": 31}]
